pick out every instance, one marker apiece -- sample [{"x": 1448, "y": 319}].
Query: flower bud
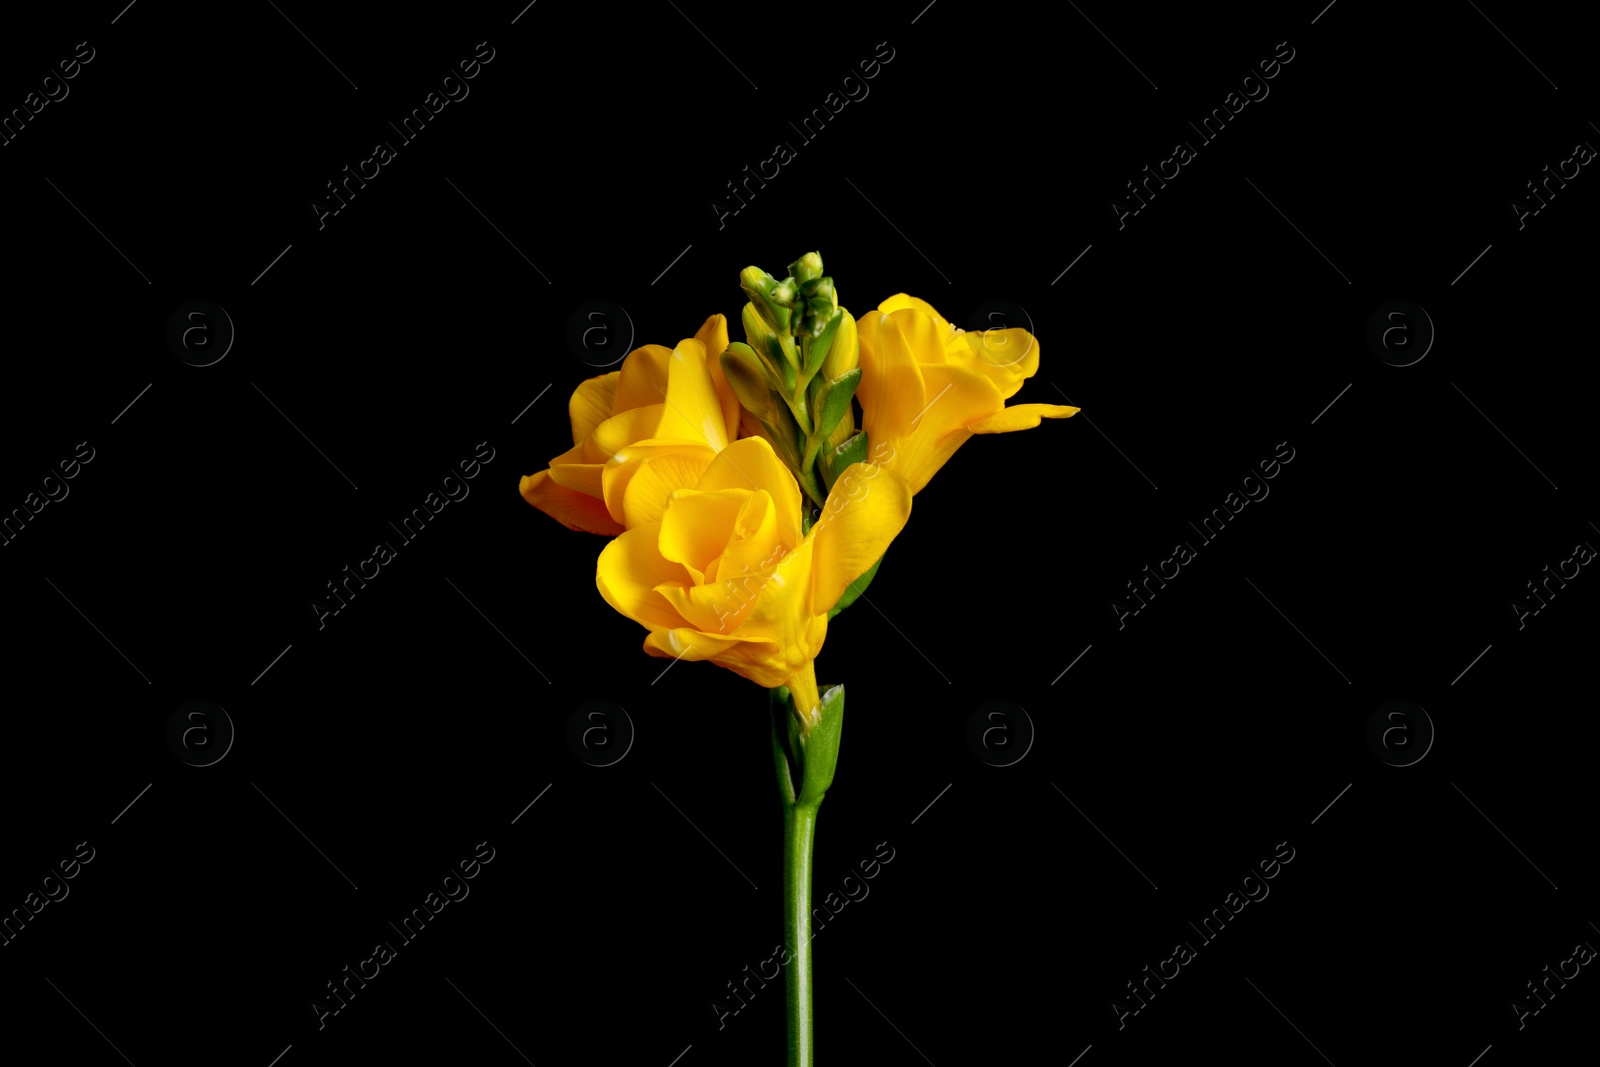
[
  {"x": 818, "y": 303},
  {"x": 845, "y": 351},
  {"x": 772, "y": 299},
  {"x": 807, "y": 268},
  {"x": 750, "y": 382},
  {"x": 775, "y": 349}
]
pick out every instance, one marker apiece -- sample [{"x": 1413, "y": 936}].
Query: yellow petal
[
  {"x": 892, "y": 390},
  {"x": 693, "y": 410},
  {"x": 643, "y": 377},
  {"x": 781, "y": 615},
  {"x": 1005, "y": 357},
  {"x": 751, "y": 463},
  {"x": 579, "y": 477},
  {"x": 626, "y": 428},
  {"x": 704, "y": 607},
  {"x": 686, "y": 643},
  {"x": 901, "y": 300},
  {"x": 755, "y": 544},
  {"x": 653, "y": 479},
  {"x": 630, "y": 568},
  {"x": 575, "y": 510},
  {"x": 922, "y": 334},
  {"x": 1021, "y": 417},
  {"x": 618, "y": 472},
  {"x": 714, "y": 335},
  {"x": 615, "y": 435},
  {"x": 721, "y": 607},
  {"x": 733, "y": 582},
  {"x": 591, "y": 404},
  {"x": 697, "y": 525},
  {"x": 957, "y": 397},
  {"x": 868, "y": 507}
]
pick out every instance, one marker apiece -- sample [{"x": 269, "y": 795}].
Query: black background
[{"x": 1177, "y": 751}]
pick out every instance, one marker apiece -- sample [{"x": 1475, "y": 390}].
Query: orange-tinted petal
[
  {"x": 575, "y": 510},
  {"x": 579, "y": 477}
]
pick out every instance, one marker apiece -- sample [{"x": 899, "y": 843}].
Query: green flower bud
[
  {"x": 818, "y": 303},
  {"x": 830, "y": 407},
  {"x": 775, "y": 348},
  {"x": 750, "y": 381},
  {"x": 762, "y": 289},
  {"x": 841, "y": 433},
  {"x": 853, "y": 449},
  {"x": 756, "y": 282},
  {"x": 807, "y": 268},
  {"x": 814, "y": 349}
]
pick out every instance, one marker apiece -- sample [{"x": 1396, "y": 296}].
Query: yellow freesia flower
[
  {"x": 926, "y": 387},
  {"x": 640, "y": 432},
  {"x": 725, "y": 575}
]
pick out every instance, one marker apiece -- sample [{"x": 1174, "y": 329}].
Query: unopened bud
[
  {"x": 845, "y": 352},
  {"x": 807, "y": 268}
]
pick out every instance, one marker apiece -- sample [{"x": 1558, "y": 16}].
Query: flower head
[
  {"x": 927, "y": 387},
  {"x": 640, "y": 432},
  {"x": 726, "y": 575}
]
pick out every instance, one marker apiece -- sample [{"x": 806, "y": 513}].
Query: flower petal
[
  {"x": 625, "y": 428},
  {"x": 697, "y": 525},
  {"x": 901, "y": 300},
  {"x": 866, "y": 510},
  {"x": 957, "y": 397},
  {"x": 754, "y": 545},
  {"x": 591, "y": 404},
  {"x": 714, "y": 335},
  {"x": 630, "y": 568},
  {"x": 693, "y": 409},
  {"x": 686, "y": 643},
  {"x": 751, "y": 463},
  {"x": 579, "y": 477},
  {"x": 1005, "y": 357},
  {"x": 1021, "y": 417},
  {"x": 704, "y": 607},
  {"x": 643, "y": 377},
  {"x": 646, "y": 486},
  {"x": 781, "y": 615},
  {"x": 923, "y": 333},
  {"x": 752, "y": 659},
  {"x": 575, "y": 510},
  {"x": 892, "y": 391},
  {"x": 618, "y": 471}
]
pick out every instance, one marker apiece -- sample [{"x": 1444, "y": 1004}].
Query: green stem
[
  {"x": 813, "y": 446},
  {"x": 799, "y": 833},
  {"x": 809, "y": 484}
]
